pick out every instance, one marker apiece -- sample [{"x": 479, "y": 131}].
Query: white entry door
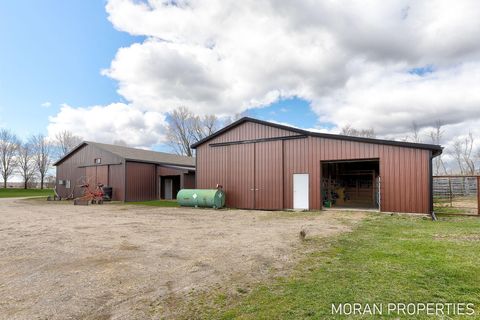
[
  {"x": 300, "y": 191},
  {"x": 168, "y": 189}
]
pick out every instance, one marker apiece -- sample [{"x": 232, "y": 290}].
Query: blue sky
[
  {"x": 53, "y": 51},
  {"x": 293, "y": 111}
]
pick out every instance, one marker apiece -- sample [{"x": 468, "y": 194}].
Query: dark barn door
[
  {"x": 102, "y": 175},
  {"x": 240, "y": 184},
  {"x": 97, "y": 174},
  {"x": 268, "y": 175},
  {"x": 91, "y": 174}
]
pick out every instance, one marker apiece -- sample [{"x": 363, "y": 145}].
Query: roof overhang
[
  {"x": 436, "y": 149},
  {"x": 163, "y": 164},
  {"x": 84, "y": 143}
]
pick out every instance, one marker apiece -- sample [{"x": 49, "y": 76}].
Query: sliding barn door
[
  {"x": 91, "y": 173},
  {"x": 102, "y": 175},
  {"x": 268, "y": 175},
  {"x": 240, "y": 186},
  {"x": 97, "y": 174}
]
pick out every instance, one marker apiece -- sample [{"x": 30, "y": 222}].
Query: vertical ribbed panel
[
  {"x": 116, "y": 180},
  {"x": 73, "y": 169},
  {"x": 141, "y": 181},
  {"x": 269, "y": 167},
  {"x": 268, "y": 175}
]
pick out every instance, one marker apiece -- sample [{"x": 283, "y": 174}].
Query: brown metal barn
[
  {"x": 133, "y": 174},
  {"x": 263, "y": 165}
]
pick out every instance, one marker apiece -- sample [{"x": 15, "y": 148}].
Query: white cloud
[
  {"x": 391, "y": 101},
  {"x": 116, "y": 122},
  {"x": 46, "y": 104},
  {"x": 350, "y": 59}
]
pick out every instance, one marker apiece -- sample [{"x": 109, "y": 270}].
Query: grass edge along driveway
[
  {"x": 21, "y": 193},
  {"x": 387, "y": 259}
]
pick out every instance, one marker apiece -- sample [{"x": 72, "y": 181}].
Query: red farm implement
[{"x": 91, "y": 195}]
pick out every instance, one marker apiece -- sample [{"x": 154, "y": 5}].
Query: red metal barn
[
  {"x": 133, "y": 174},
  {"x": 263, "y": 165}
]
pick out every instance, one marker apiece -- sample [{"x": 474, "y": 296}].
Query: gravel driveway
[{"x": 59, "y": 261}]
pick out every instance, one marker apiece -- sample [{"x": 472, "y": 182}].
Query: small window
[
  {"x": 67, "y": 184},
  {"x": 97, "y": 161},
  {"x": 61, "y": 182}
]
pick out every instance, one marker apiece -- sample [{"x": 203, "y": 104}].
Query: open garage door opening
[
  {"x": 169, "y": 187},
  {"x": 351, "y": 184}
]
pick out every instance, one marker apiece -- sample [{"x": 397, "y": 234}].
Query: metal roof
[
  {"x": 436, "y": 149},
  {"x": 140, "y": 155}
]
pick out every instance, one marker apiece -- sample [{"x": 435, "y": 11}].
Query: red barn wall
[
  {"x": 75, "y": 167},
  {"x": 269, "y": 167},
  {"x": 141, "y": 181}
]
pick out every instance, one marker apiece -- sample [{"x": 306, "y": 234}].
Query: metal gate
[{"x": 456, "y": 195}]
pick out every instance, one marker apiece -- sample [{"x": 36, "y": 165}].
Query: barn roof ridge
[
  {"x": 436, "y": 149},
  {"x": 135, "y": 154}
]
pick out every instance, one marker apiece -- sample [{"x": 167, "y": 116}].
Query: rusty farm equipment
[{"x": 91, "y": 194}]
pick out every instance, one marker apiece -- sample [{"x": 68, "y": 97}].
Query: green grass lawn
[
  {"x": 157, "y": 203},
  {"x": 449, "y": 210},
  {"x": 15, "y": 193},
  {"x": 386, "y": 259}
]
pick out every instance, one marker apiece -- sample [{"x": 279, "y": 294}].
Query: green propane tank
[{"x": 206, "y": 198}]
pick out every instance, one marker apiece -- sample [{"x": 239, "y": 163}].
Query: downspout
[{"x": 432, "y": 213}]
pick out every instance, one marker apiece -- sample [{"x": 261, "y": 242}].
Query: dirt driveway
[{"x": 59, "y": 261}]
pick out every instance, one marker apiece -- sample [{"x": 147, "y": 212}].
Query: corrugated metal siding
[
  {"x": 404, "y": 172},
  {"x": 238, "y": 175},
  {"x": 140, "y": 181},
  {"x": 91, "y": 174},
  {"x": 268, "y": 175},
  {"x": 73, "y": 167},
  {"x": 189, "y": 181},
  {"x": 167, "y": 171},
  {"x": 249, "y": 131},
  {"x": 97, "y": 174},
  {"x": 102, "y": 175},
  {"x": 187, "y": 177},
  {"x": 116, "y": 177}
]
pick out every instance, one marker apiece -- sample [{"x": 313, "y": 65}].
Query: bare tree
[
  {"x": 436, "y": 136},
  {"x": 8, "y": 149},
  {"x": 348, "y": 130},
  {"x": 457, "y": 155},
  {"x": 477, "y": 158},
  {"x": 178, "y": 131},
  {"x": 26, "y": 163},
  {"x": 468, "y": 155},
  {"x": 65, "y": 141},
  {"x": 464, "y": 156},
  {"x": 42, "y": 156},
  {"x": 235, "y": 117},
  {"x": 204, "y": 126},
  {"x": 184, "y": 128},
  {"x": 416, "y": 132}
]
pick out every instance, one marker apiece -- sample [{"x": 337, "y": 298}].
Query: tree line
[
  {"x": 462, "y": 151},
  {"x": 32, "y": 158},
  {"x": 185, "y": 128}
]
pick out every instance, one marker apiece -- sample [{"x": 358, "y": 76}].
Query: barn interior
[
  {"x": 351, "y": 184},
  {"x": 169, "y": 187}
]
